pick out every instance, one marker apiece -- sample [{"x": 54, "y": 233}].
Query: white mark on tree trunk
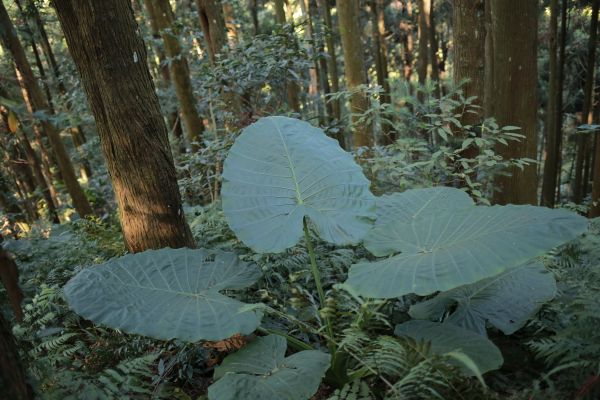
[{"x": 135, "y": 57}]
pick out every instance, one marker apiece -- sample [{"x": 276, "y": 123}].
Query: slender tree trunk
[
  {"x": 424, "y": 23},
  {"x": 173, "y": 120},
  {"x": 332, "y": 66},
  {"x": 514, "y": 99},
  {"x": 11, "y": 42},
  {"x": 583, "y": 140},
  {"x": 433, "y": 53},
  {"x": 76, "y": 131},
  {"x": 322, "y": 69},
  {"x": 253, "y": 7},
  {"x": 559, "y": 95},
  {"x": 291, "y": 87},
  {"x": 13, "y": 381},
  {"x": 130, "y": 125},
  {"x": 213, "y": 27},
  {"x": 379, "y": 50},
  {"x": 229, "y": 16},
  {"x": 406, "y": 27},
  {"x": 354, "y": 68},
  {"x": 551, "y": 163},
  {"x": 162, "y": 14},
  {"x": 9, "y": 275}
]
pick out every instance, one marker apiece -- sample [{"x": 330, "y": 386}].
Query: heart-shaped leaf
[
  {"x": 444, "y": 250},
  {"x": 281, "y": 170},
  {"x": 447, "y": 338},
  {"x": 166, "y": 294},
  {"x": 507, "y": 300},
  {"x": 416, "y": 203},
  {"x": 261, "y": 371}
]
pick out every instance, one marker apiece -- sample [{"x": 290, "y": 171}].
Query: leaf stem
[{"x": 317, "y": 277}]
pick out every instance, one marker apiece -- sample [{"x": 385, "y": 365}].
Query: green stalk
[{"x": 317, "y": 277}]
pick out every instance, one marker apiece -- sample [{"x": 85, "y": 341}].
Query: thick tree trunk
[
  {"x": 552, "y": 130},
  {"x": 13, "y": 381},
  {"x": 162, "y": 14},
  {"x": 514, "y": 86},
  {"x": 469, "y": 66},
  {"x": 354, "y": 68},
  {"x": 38, "y": 103},
  {"x": 583, "y": 141},
  {"x": 132, "y": 131},
  {"x": 423, "y": 32}
]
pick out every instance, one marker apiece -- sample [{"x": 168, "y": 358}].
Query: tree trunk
[
  {"x": 408, "y": 41},
  {"x": 291, "y": 87},
  {"x": 322, "y": 69},
  {"x": 76, "y": 131},
  {"x": 552, "y": 130},
  {"x": 130, "y": 125},
  {"x": 354, "y": 68},
  {"x": 173, "y": 120},
  {"x": 379, "y": 50},
  {"x": 559, "y": 95},
  {"x": 583, "y": 140},
  {"x": 253, "y": 7},
  {"x": 230, "y": 25},
  {"x": 514, "y": 86},
  {"x": 38, "y": 103},
  {"x": 9, "y": 275},
  {"x": 162, "y": 14},
  {"x": 423, "y": 32},
  {"x": 332, "y": 66},
  {"x": 213, "y": 27},
  {"x": 433, "y": 53},
  {"x": 13, "y": 381},
  {"x": 469, "y": 67}
]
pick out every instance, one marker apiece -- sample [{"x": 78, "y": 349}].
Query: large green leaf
[
  {"x": 447, "y": 338},
  {"x": 166, "y": 294},
  {"x": 259, "y": 371},
  {"x": 448, "y": 249},
  {"x": 415, "y": 203},
  {"x": 507, "y": 300},
  {"x": 280, "y": 170}
]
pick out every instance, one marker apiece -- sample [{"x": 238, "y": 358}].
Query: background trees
[{"x": 497, "y": 97}]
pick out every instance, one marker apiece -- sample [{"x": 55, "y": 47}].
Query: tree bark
[
  {"x": 213, "y": 27},
  {"x": 230, "y": 25},
  {"x": 9, "y": 275},
  {"x": 514, "y": 99},
  {"x": 559, "y": 95},
  {"x": 253, "y": 7},
  {"x": 38, "y": 103},
  {"x": 583, "y": 140},
  {"x": 13, "y": 381},
  {"x": 354, "y": 68},
  {"x": 407, "y": 40},
  {"x": 162, "y": 14},
  {"x": 552, "y": 130},
  {"x": 379, "y": 50},
  {"x": 110, "y": 56},
  {"x": 433, "y": 53}
]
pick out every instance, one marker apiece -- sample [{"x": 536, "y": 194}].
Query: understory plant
[{"x": 284, "y": 183}]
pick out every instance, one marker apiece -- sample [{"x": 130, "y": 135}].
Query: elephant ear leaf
[
  {"x": 448, "y": 338},
  {"x": 446, "y": 249},
  {"x": 167, "y": 294},
  {"x": 281, "y": 170},
  {"x": 507, "y": 300},
  {"x": 415, "y": 203},
  {"x": 261, "y": 371}
]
